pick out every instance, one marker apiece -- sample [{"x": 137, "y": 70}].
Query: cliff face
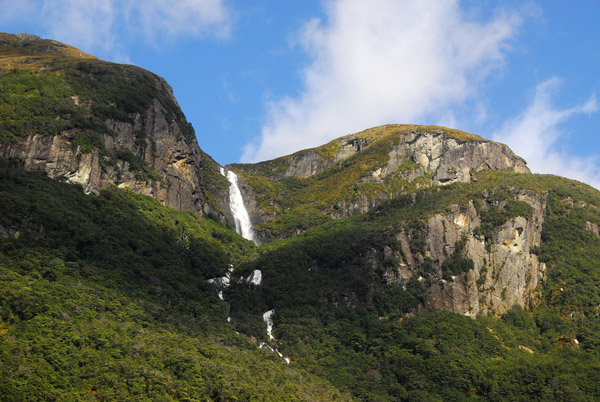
[
  {"x": 354, "y": 174},
  {"x": 448, "y": 158},
  {"x": 176, "y": 163},
  {"x": 504, "y": 271},
  {"x": 119, "y": 125}
]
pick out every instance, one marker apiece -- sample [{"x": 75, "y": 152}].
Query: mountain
[
  {"x": 356, "y": 172},
  {"x": 404, "y": 262},
  {"x": 489, "y": 238},
  {"x": 98, "y": 124}
]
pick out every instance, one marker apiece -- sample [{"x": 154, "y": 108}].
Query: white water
[
  {"x": 222, "y": 282},
  {"x": 236, "y": 203},
  {"x": 268, "y": 319},
  {"x": 255, "y": 278}
]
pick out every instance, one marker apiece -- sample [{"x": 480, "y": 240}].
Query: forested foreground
[{"x": 106, "y": 298}]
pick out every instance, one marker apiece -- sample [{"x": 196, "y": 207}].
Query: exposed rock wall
[
  {"x": 179, "y": 162},
  {"x": 450, "y": 160},
  {"x": 505, "y": 271},
  {"x": 446, "y": 158}
]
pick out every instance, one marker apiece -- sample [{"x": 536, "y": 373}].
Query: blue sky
[{"x": 260, "y": 79}]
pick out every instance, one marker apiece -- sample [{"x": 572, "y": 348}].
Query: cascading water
[
  {"x": 236, "y": 203},
  {"x": 268, "y": 319}
]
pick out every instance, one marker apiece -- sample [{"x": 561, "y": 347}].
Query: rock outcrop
[
  {"x": 448, "y": 155},
  {"x": 505, "y": 271}
]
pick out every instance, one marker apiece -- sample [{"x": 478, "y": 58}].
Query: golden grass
[{"x": 29, "y": 52}]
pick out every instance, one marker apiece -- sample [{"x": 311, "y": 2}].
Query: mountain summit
[{"x": 356, "y": 172}]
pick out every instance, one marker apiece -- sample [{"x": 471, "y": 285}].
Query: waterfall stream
[
  {"x": 236, "y": 203},
  {"x": 244, "y": 227}
]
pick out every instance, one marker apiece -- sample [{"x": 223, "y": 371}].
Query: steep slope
[
  {"x": 355, "y": 298},
  {"x": 98, "y": 124},
  {"x": 106, "y": 298},
  {"x": 352, "y": 174}
]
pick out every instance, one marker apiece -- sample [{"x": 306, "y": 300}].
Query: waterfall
[
  {"x": 268, "y": 319},
  {"x": 236, "y": 203}
]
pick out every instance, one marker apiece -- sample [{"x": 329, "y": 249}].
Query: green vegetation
[
  {"x": 33, "y": 103},
  {"x": 337, "y": 314},
  {"x": 457, "y": 264},
  {"x": 137, "y": 165},
  {"x": 496, "y": 214},
  {"x": 105, "y": 297}
]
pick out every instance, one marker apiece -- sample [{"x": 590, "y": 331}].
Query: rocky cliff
[
  {"x": 447, "y": 155},
  {"x": 355, "y": 173},
  {"x": 116, "y": 125},
  {"x": 470, "y": 272}
]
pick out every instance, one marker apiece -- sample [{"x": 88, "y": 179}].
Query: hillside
[
  {"x": 359, "y": 298},
  {"x": 106, "y": 298},
  {"x": 101, "y": 124},
  {"x": 403, "y": 262}
]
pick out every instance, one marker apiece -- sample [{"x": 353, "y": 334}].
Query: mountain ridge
[{"x": 402, "y": 262}]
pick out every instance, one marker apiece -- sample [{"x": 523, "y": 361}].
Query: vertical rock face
[
  {"x": 172, "y": 166},
  {"x": 505, "y": 271}
]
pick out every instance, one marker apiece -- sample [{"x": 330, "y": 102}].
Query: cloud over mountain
[
  {"x": 383, "y": 61},
  {"x": 536, "y": 135}
]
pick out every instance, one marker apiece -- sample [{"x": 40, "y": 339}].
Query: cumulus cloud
[
  {"x": 101, "y": 25},
  {"x": 383, "y": 61},
  {"x": 536, "y": 135}
]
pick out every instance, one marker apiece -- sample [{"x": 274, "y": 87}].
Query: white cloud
[
  {"x": 173, "y": 18},
  {"x": 88, "y": 24},
  {"x": 383, "y": 61},
  {"x": 103, "y": 25},
  {"x": 536, "y": 136}
]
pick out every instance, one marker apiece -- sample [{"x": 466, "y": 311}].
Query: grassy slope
[
  {"x": 105, "y": 297},
  {"x": 334, "y": 315},
  {"x": 48, "y": 87}
]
